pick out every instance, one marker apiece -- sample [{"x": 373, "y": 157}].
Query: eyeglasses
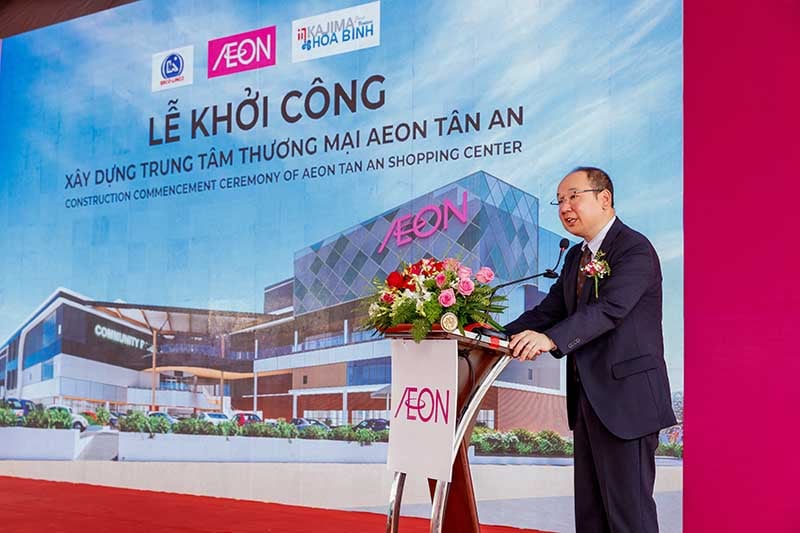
[{"x": 571, "y": 197}]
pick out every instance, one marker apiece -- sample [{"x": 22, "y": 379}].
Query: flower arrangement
[
  {"x": 420, "y": 293},
  {"x": 597, "y": 268}
]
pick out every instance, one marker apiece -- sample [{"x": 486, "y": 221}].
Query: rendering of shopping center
[{"x": 304, "y": 354}]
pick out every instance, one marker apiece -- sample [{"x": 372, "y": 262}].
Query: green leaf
[{"x": 420, "y": 329}]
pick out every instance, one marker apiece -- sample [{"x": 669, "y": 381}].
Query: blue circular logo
[{"x": 172, "y": 66}]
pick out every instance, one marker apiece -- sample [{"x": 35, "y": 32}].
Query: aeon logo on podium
[
  {"x": 241, "y": 52},
  {"x": 423, "y": 407},
  {"x": 424, "y": 404}
]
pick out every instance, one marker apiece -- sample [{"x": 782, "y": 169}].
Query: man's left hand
[{"x": 530, "y": 344}]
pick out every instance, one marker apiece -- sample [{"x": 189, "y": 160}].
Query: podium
[{"x": 481, "y": 360}]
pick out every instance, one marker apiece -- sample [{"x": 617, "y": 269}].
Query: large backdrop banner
[{"x": 197, "y": 198}]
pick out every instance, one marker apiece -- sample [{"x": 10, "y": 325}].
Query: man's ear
[{"x": 605, "y": 198}]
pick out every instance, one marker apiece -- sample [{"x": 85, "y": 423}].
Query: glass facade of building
[
  {"x": 42, "y": 342},
  {"x": 10, "y": 352},
  {"x": 370, "y": 372},
  {"x": 479, "y": 219}
]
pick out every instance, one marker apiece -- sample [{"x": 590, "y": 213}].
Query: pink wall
[{"x": 742, "y": 216}]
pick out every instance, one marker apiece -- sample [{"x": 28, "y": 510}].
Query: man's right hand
[{"x": 530, "y": 344}]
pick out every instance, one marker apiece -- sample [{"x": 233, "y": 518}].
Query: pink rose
[
  {"x": 451, "y": 264},
  {"x": 464, "y": 272},
  {"x": 387, "y": 298},
  {"x": 447, "y": 298},
  {"x": 441, "y": 279},
  {"x": 485, "y": 275},
  {"x": 465, "y": 286}
]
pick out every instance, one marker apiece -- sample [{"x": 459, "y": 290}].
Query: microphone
[{"x": 551, "y": 273}]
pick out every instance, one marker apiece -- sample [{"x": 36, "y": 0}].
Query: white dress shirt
[{"x": 595, "y": 243}]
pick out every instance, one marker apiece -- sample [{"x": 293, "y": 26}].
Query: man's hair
[{"x": 598, "y": 180}]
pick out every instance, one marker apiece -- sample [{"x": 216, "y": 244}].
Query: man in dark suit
[{"x": 609, "y": 328}]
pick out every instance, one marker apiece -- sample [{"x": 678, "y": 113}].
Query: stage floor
[
  {"x": 521, "y": 496},
  {"x": 34, "y": 506}
]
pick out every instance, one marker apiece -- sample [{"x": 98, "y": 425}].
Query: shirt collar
[{"x": 595, "y": 243}]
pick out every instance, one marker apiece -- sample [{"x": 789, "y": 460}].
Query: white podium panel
[{"x": 423, "y": 408}]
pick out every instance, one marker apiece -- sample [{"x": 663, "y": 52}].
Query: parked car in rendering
[
  {"x": 15, "y": 405},
  {"x": 301, "y": 423},
  {"x": 27, "y": 406},
  {"x": 244, "y": 418},
  {"x": 78, "y": 421},
  {"x": 166, "y": 416},
  {"x": 214, "y": 418},
  {"x": 116, "y": 418},
  {"x": 375, "y": 424}
]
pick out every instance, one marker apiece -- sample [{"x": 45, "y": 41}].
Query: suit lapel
[{"x": 571, "y": 279}]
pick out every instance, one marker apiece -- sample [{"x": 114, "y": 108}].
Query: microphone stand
[{"x": 550, "y": 273}]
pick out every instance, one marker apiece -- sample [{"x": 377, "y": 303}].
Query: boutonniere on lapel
[{"x": 597, "y": 268}]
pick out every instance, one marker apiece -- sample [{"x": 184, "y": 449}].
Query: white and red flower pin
[{"x": 597, "y": 269}]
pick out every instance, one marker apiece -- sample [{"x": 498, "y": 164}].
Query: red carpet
[{"x": 47, "y": 506}]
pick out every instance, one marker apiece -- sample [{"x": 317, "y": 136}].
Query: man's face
[{"x": 582, "y": 213}]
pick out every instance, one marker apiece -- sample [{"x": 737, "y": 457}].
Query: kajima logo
[
  {"x": 244, "y": 51},
  {"x": 424, "y": 404},
  {"x": 414, "y": 224},
  {"x": 336, "y": 32}
]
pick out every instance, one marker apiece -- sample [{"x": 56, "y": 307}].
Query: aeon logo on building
[
  {"x": 414, "y": 224},
  {"x": 172, "y": 68},
  {"x": 336, "y": 32},
  {"x": 244, "y": 51},
  {"x": 425, "y": 405}
]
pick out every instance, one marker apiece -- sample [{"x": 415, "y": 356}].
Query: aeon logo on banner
[
  {"x": 425, "y": 405},
  {"x": 244, "y": 51},
  {"x": 434, "y": 216}
]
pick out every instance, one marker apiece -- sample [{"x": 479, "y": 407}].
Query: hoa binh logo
[{"x": 336, "y": 32}]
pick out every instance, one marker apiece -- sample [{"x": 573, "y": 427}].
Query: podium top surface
[{"x": 467, "y": 340}]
